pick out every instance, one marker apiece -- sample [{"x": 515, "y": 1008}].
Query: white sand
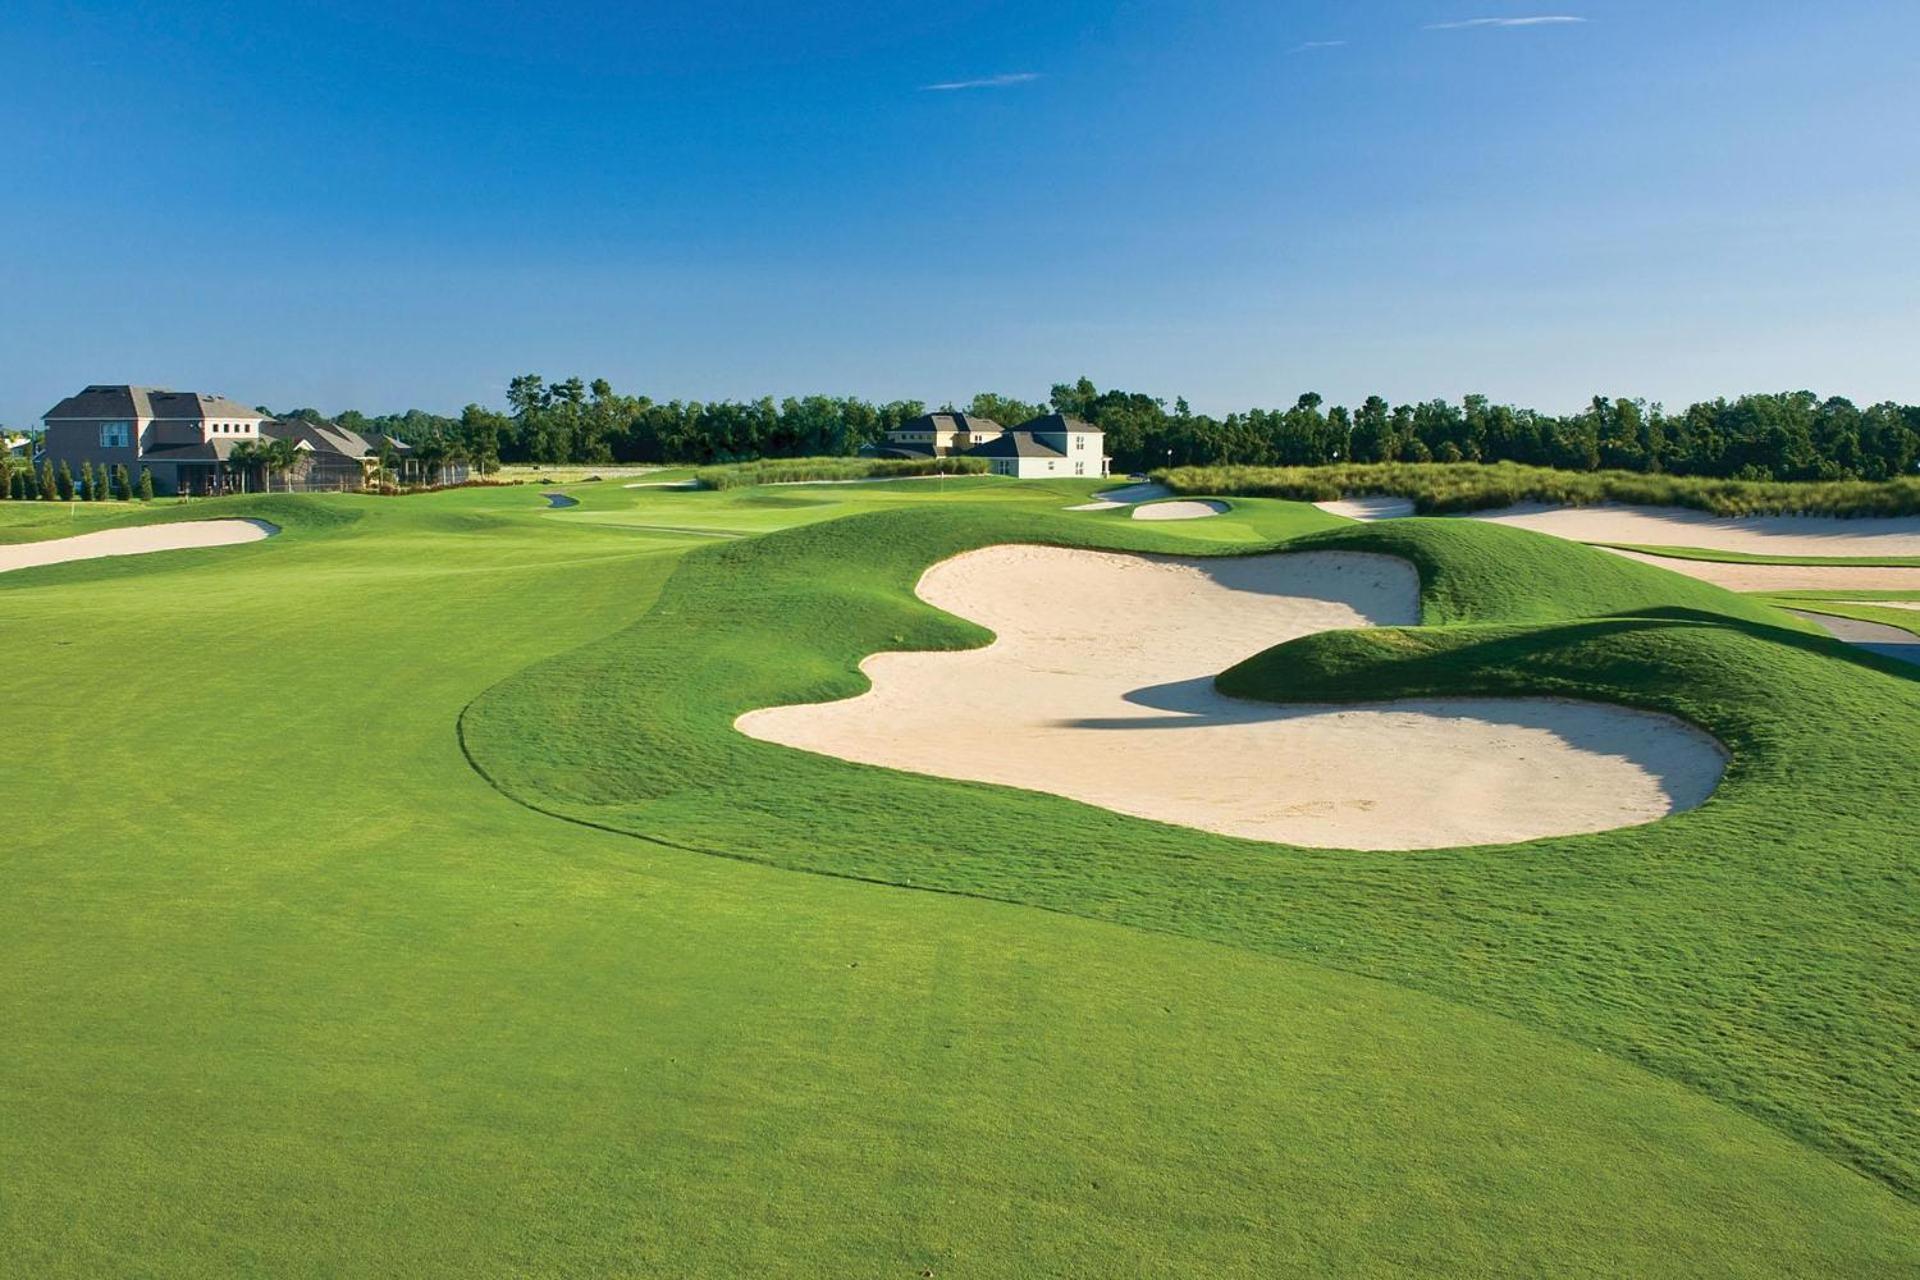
[
  {"x": 1757, "y": 535},
  {"x": 1786, "y": 577},
  {"x": 1377, "y": 507},
  {"x": 1125, "y": 496},
  {"x": 179, "y": 536},
  {"x": 1179, "y": 510},
  {"x": 1099, "y": 687}
]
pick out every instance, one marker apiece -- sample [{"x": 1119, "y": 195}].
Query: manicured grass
[
  {"x": 293, "y": 991},
  {"x": 1852, "y": 604},
  {"x": 1632, "y": 941},
  {"x": 1751, "y": 557}
]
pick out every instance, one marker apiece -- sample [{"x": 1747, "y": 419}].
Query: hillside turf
[{"x": 295, "y": 989}]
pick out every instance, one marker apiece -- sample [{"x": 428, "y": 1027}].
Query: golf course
[{"x": 961, "y": 877}]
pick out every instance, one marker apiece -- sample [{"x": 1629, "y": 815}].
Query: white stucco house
[{"x": 1050, "y": 445}]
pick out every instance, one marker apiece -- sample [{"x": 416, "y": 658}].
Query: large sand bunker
[
  {"x": 179, "y": 536},
  {"x": 1099, "y": 687}
]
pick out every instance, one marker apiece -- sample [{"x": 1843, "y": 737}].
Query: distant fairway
[{"x": 362, "y": 920}]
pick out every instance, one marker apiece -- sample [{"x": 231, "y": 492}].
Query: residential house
[
  {"x": 193, "y": 443},
  {"x": 936, "y": 435},
  {"x": 1052, "y": 444},
  {"x": 184, "y": 438}
]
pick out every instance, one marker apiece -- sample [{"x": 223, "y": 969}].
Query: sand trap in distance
[
  {"x": 1869, "y": 536},
  {"x": 1786, "y": 577},
  {"x": 179, "y": 536},
  {"x": 1199, "y": 510},
  {"x": 1376, "y": 507},
  {"x": 1099, "y": 687},
  {"x": 1125, "y": 496}
]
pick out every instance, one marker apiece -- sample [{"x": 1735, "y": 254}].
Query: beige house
[{"x": 938, "y": 435}]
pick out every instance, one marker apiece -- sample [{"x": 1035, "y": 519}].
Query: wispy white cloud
[
  {"x": 1309, "y": 45},
  {"x": 1545, "y": 20},
  {"x": 984, "y": 82}
]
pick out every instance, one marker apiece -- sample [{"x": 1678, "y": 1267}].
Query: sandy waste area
[
  {"x": 1099, "y": 687},
  {"x": 1872, "y": 536},
  {"x": 179, "y": 536}
]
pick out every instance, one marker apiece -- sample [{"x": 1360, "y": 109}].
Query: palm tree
[
  {"x": 246, "y": 455},
  {"x": 281, "y": 456}
]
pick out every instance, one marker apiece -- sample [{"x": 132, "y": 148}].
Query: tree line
[
  {"x": 1786, "y": 436},
  {"x": 21, "y": 481}
]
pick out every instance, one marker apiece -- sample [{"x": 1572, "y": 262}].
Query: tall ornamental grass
[
  {"x": 794, "y": 470},
  {"x": 1439, "y": 488}
]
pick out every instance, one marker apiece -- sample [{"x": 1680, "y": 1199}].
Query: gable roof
[
  {"x": 1056, "y": 423},
  {"x": 951, "y": 421},
  {"x": 1014, "y": 444},
  {"x": 321, "y": 437},
  {"x": 113, "y": 401}
]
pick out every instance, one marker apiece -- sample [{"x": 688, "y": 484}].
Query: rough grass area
[
  {"x": 1439, "y": 488},
  {"x": 1755, "y": 949},
  {"x": 292, "y": 991},
  {"x": 794, "y": 470}
]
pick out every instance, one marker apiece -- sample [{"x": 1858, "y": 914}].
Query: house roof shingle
[
  {"x": 1014, "y": 444},
  {"x": 1056, "y": 423},
  {"x": 106, "y": 402},
  {"x": 951, "y": 421}
]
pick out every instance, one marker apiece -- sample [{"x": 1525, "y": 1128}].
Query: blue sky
[{"x": 381, "y": 205}]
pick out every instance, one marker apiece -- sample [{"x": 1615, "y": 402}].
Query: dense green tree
[
  {"x": 122, "y": 486},
  {"x": 146, "y": 485},
  {"x": 63, "y": 481},
  {"x": 1005, "y": 410}
]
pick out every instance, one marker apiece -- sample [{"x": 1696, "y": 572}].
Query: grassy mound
[
  {"x": 1440, "y": 487},
  {"x": 1745, "y": 948}
]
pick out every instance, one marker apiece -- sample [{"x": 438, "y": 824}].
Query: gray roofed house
[
  {"x": 1015, "y": 444},
  {"x": 188, "y": 440},
  {"x": 1053, "y": 444},
  {"x": 184, "y": 438}
]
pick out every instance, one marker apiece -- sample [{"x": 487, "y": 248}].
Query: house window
[
  {"x": 1079, "y": 442},
  {"x": 116, "y": 435},
  {"x": 1079, "y": 468}
]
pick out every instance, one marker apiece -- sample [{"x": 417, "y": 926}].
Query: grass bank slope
[{"x": 1757, "y": 948}]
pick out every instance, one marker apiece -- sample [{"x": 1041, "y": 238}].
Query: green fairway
[{"x": 367, "y": 923}]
